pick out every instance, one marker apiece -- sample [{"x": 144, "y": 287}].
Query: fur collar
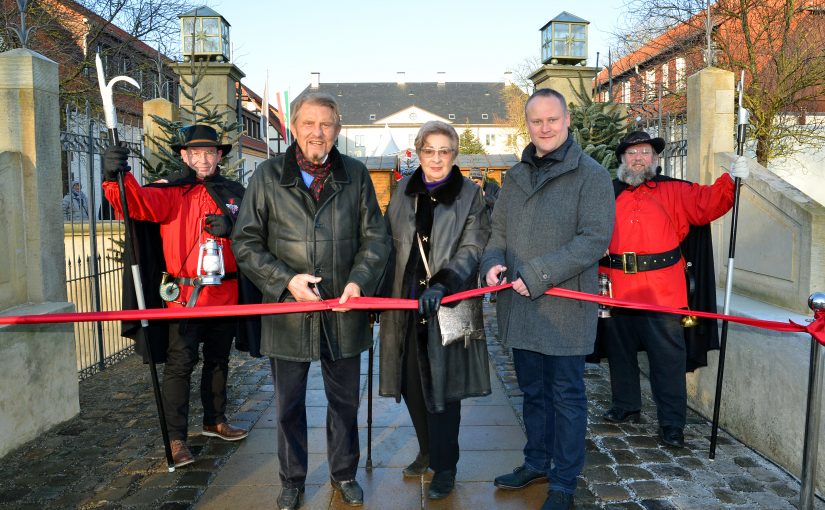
[{"x": 444, "y": 194}]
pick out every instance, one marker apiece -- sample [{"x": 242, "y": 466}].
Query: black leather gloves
[
  {"x": 115, "y": 162},
  {"x": 430, "y": 300},
  {"x": 219, "y": 225}
]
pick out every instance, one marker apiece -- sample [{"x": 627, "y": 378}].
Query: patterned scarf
[{"x": 320, "y": 172}]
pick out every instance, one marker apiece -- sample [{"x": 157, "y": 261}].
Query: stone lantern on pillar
[
  {"x": 204, "y": 35},
  {"x": 564, "y": 55}
]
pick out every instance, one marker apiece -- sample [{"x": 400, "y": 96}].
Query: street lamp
[{"x": 204, "y": 35}]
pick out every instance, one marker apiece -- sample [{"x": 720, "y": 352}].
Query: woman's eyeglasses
[{"x": 430, "y": 152}]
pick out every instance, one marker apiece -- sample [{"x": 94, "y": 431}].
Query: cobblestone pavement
[{"x": 110, "y": 456}]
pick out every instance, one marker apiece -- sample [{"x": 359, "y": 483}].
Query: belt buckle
[{"x": 629, "y": 255}]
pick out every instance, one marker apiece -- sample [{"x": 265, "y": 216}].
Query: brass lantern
[{"x": 204, "y": 35}]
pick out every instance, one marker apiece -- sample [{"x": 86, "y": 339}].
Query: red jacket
[
  {"x": 180, "y": 211},
  {"x": 654, "y": 218}
]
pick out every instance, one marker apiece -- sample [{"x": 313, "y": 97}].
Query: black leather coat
[{"x": 282, "y": 231}]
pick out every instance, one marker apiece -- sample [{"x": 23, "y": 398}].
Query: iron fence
[{"x": 93, "y": 239}]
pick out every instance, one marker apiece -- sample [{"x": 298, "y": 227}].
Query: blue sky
[{"x": 371, "y": 40}]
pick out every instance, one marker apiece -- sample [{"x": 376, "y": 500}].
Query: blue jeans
[{"x": 555, "y": 415}]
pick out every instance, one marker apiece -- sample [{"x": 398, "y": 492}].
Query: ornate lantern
[
  {"x": 564, "y": 40},
  {"x": 204, "y": 35}
]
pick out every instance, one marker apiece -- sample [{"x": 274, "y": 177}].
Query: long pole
[
  {"x": 741, "y": 128},
  {"x": 370, "y": 361},
  {"x": 111, "y": 123},
  {"x": 810, "y": 445}
]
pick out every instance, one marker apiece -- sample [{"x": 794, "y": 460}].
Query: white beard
[{"x": 632, "y": 178}]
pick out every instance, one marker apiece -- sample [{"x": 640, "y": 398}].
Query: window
[
  {"x": 359, "y": 140},
  {"x": 413, "y": 116},
  {"x": 451, "y": 116},
  {"x": 484, "y": 116},
  {"x": 650, "y": 84},
  {"x": 666, "y": 77},
  {"x": 680, "y": 74},
  {"x": 411, "y": 141},
  {"x": 372, "y": 116},
  {"x": 511, "y": 140},
  {"x": 490, "y": 140},
  {"x": 626, "y": 92}
]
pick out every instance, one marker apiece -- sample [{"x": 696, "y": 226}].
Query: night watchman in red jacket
[
  {"x": 645, "y": 264},
  {"x": 193, "y": 205}
]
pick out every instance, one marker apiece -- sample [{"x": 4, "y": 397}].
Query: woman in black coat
[{"x": 444, "y": 210}]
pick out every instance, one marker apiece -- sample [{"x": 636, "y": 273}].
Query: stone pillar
[
  {"x": 565, "y": 79},
  {"x": 711, "y": 120},
  {"x": 38, "y": 370},
  {"x": 151, "y": 129}
]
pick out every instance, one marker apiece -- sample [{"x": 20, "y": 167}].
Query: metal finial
[
  {"x": 22, "y": 32},
  {"x": 817, "y": 301}
]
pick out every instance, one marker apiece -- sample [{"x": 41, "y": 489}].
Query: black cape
[
  {"x": 697, "y": 248},
  {"x": 146, "y": 239}
]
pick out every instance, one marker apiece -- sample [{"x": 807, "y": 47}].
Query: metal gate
[{"x": 93, "y": 239}]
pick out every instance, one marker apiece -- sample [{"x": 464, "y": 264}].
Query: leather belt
[
  {"x": 631, "y": 263},
  {"x": 193, "y": 282}
]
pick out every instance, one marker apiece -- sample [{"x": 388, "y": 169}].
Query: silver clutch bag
[{"x": 462, "y": 322}]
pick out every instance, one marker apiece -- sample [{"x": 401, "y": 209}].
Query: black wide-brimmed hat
[
  {"x": 636, "y": 138},
  {"x": 201, "y": 135}
]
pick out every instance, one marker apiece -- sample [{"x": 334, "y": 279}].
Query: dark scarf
[{"x": 319, "y": 171}]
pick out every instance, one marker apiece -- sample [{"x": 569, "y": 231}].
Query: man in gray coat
[
  {"x": 309, "y": 228},
  {"x": 552, "y": 223}
]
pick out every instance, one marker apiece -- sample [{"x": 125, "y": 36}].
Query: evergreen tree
[
  {"x": 197, "y": 109},
  {"x": 469, "y": 144},
  {"x": 597, "y": 127}
]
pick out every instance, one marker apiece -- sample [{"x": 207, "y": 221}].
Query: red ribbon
[{"x": 816, "y": 328}]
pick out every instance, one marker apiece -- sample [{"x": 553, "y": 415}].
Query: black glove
[
  {"x": 430, "y": 300},
  {"x": 115, "y": 162},
  {"x": 219, "y": 225}
]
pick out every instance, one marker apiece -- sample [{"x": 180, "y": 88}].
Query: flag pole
[
  {"x": 741, "y": 130},
  {"x": 111, "y": 124}
]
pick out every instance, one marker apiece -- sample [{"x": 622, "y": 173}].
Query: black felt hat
[
  {"x": 201, "y": 135},
  {"x": 636, "y": 138}
]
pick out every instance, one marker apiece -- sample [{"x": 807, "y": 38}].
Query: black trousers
[
  {"x": 181, "y": 358},
  {"x": 437, "y": 433},
  {"x": 662, "y": 337},
  {"x": 341, "y": 385}
]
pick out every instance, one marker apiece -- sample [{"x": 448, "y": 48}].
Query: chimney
[
  {"x": 315, "y": 80},
  {"x": 442, "y": 78},
  {"x": 508, "y": 78},
  {"x": 400, "y": 78}
]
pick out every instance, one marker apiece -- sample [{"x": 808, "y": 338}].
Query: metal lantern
[
  {"x": 564, "y": 40},
  {"x": 210, "y": 262},
  {"x": 605, "y": 290},
  {"x": 204, "y": 35}
]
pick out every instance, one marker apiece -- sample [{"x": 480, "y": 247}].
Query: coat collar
[
  {"x": 521, "y": 175},
  {"x": 445, "y": 194},
  {"x": 291, "y": 175}
]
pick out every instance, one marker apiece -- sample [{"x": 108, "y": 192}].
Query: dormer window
[
  {"x": 484, "y": 116},
  {"x": 372, "y": 116}
]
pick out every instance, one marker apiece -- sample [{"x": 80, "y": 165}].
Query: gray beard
[{"x": 632, "y": 178}]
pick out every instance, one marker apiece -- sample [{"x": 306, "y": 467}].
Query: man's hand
[
  {"x": 115, "y": 162},
  {"x": 518, "y": 286},
  {"x": 218, "y": 225},
  {"x": 300, "y": 286},
  {"x": 739, "y": 168},
  {"x": 493, "y": 275},
  {"x": 351, "y": 290}
]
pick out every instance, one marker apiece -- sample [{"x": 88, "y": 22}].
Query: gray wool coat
[{"x": 551, "y": 235}]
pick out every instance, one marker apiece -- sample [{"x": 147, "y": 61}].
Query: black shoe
[
  {"x": 290, "y": 498},
  {"x": 672, "y": 436},
  {"x": 351, "y": 492},
  {"x": 618, "y": 416},
  {"x": 520, "y": 478},
  {"x": 442, "y": 484},
  {"x": 558, "y": 501},
  {"x": 419, "y": 466}
]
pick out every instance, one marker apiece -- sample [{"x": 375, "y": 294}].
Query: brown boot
[
  {"x": 225, "y": 431},
  {"x": 181, "y": 454}
]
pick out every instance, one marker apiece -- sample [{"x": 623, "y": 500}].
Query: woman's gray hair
[
  {"x": 318, "y": 99},
  {"x": 436, "y": 127}
]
